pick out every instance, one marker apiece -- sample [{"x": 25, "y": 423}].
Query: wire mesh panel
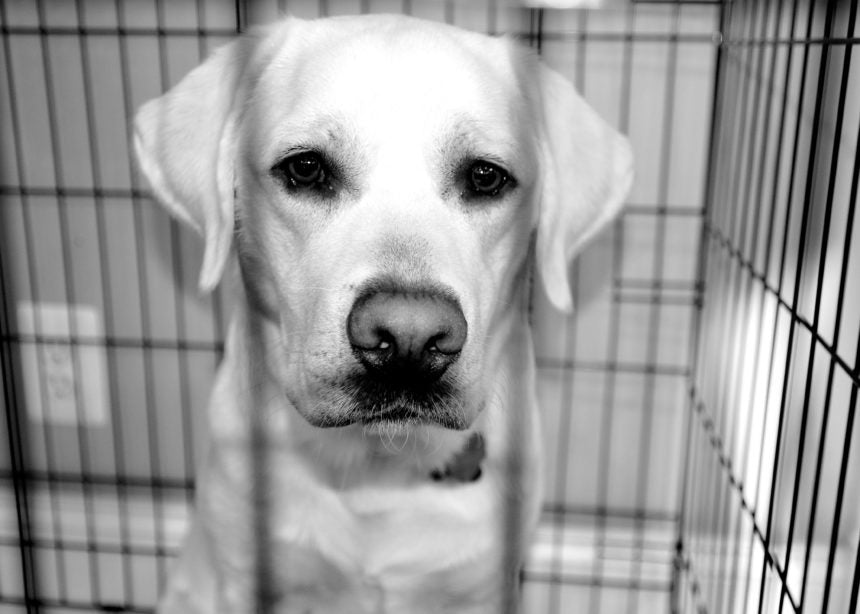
[
  {"x": 108, "y": 351},
  {"x": 771, "y": 516}
]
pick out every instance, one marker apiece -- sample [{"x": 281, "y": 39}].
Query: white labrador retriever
[{"x": 386, "y": 186}]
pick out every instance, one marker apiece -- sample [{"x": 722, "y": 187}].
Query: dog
[{"x": 384, "y": 188}]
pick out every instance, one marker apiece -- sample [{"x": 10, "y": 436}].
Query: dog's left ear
[{"x": 588, "y": 169}]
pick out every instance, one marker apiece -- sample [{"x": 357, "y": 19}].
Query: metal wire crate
[
  {"x": 698, "y": 407},
  {"x": 771, "y": 519}
]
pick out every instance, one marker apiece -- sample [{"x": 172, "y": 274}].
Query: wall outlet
[{"x": 65, "y": 376}]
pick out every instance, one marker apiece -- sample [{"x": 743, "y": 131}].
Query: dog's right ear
[
  {"x": 588, "y": 169},
  {"x": 185, "y": 143}
]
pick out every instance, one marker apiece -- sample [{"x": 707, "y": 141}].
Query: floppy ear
[
  {"x": 588, "y": 172},
  {"x": 185, "y": 144}
]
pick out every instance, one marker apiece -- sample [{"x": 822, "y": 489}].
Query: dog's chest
[{"x": 390, "y": 550}]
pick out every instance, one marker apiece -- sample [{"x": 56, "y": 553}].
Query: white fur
[{"x": 347, "y": 519}]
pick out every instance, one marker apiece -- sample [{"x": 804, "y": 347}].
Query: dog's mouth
[{"x": 368, "y": 399}]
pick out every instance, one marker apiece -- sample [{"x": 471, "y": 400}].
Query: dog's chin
[{"x": 390, "y": 406}]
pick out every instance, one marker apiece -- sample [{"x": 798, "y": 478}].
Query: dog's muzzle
[{"x": 405, "y": 340}]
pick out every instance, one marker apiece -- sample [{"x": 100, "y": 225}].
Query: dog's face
[
  {"x": 386, "y": 176},
  {"x": 362, "y": 204}
]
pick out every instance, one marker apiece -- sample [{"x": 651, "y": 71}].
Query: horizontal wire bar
[
  {"x": 98, "y": 547},
  {"x": 761, "y": 42},
  {"x": 657, "y": 299},
  {"x": 110, "y": 341},
  {"x": 660, "y": 284},
  {"x": 595, "y": 582},
  {"x": 180, "y": 345},
  {"x": 83, "y": 606},
  {"x": 120, "y": 193},
  {"x": 608, "y": 512},
  {"x": 612, "y": 366},
  {"x": 709, "y": 38},
  {"x": 36, "y": 476},
  {"x": 71, "y": 192}
]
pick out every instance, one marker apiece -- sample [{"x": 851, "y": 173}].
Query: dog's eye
[
  {"x": 303, "y": 170},
  {"x": 486, "y": 179}
]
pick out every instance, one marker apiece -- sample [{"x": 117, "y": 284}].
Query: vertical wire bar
[
  {"x": 725, "y": 272},
  {"x": 104, "y": 259},
  {"x": 122, "y": 42},
  {"x": 840, "y": 114},
  {"x": 855, "y": 584},
  {"x": 652, "y": 342},
  {"x": 846, "y": 248},
  {"x": 727, "y": 389},
  {"x": 145, "y": 317},
  {"x": 697, "y": 340},
  {"x": 840, "y": 503},
  {"x": 744, "y": 208},
  {"x": 568, "y": 382},
  {"x": 70, "y": 294},
  {"x": 719, "y": 217},
  {"x": 757, "y": 533},
  {"x": 784, "y": 104},
  {"x": 744, "y": 289},
  {"x": 32, "y": 274},
  {"x": 852, "y": 404},
  {"x": 15, "y": 430},
  {"x": 807, "y": 198},
  {"x": 179, "y": 276},
  {"x": 734, "y": 211},
  {"x": 240, "y": 8},
  {"x": 153, "y": 432},
  {"x": 614, "y": 341},
  {"x": 218, "y": 324},
  {"x": 493, "y": 17},
  {"x": 729, "y": 273},
  {"x": 756, "y": 202},
  {"x": 608, "y": 408}
]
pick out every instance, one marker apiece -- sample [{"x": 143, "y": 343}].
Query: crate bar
[
  {"x": 715, "y": 387},
  {"x": 834, "y": 164},
  {"x": 17, "y": 456},
  {"x": 140, "y": 255},
  {"x": 697, "y": 340},
  {"x": 71, "y": 295},
  {"x": 107, "y": 311},
  {"x": 179, "y": 275},
  {"x": 752, "y": 68},
  {"x": 756, "y": 203},
  {"x": 19, "y": 436},
  {"x": 652, "y": 342},
  {"x": 755, "y": 532},
  {"x": 563, "y": 435},
  {"x": 740, "y": 293},
  {"x": 804, "y": 223},
  {"x": 607, "y": 413}
]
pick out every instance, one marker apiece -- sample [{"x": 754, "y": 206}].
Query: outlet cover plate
[{"x": 64, "y": 363}]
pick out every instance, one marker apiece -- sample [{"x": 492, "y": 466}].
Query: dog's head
[{"x": 381, "y": 179}]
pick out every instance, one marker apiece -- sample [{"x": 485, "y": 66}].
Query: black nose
[{"x": 413, "y": 335}]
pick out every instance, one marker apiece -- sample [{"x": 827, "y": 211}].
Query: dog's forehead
[{"x": 401, "y": 73}]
